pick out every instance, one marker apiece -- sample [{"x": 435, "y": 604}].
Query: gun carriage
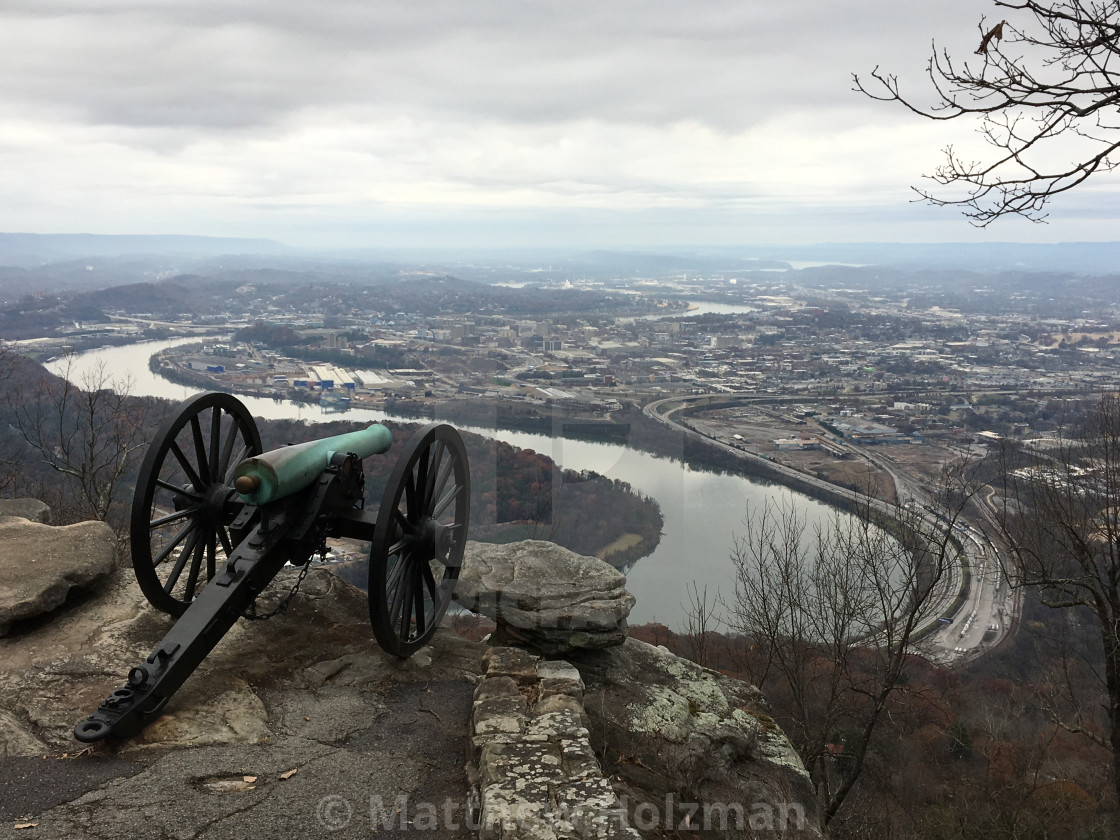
[{"x": 214, "y": 519}]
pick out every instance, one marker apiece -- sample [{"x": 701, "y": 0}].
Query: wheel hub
[
  {"x": 216, "y": 503},
  {"x": 434, "y": 539}
]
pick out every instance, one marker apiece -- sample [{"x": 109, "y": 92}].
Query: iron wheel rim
[
  {"x": 420, "y": 537},
  {"x": 183, "y": 504}
]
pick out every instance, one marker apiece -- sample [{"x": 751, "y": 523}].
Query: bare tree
[
  {"x": 88, "y": 431},
  {"x": 8, "y": 359},
  {"x": 702, "y": 619},
  {"x": 1046, "y": 93},
  {"x": 832, "y": 615},
  {"x": 13, "y": 477},
  {"x": 1060, "y": 513}
]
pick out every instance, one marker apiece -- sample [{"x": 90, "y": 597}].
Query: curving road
[{"x": 990, "y": 609}]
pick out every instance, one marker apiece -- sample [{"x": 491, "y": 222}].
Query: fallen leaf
[
  {"x": 18, "y": 826},
  {"x": 248, "y": 779},
  {"x": 232, "y": 785},
  {"x": 289, "y": 774}
]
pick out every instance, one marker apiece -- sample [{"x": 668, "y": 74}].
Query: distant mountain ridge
[
  {"x": 36, "y": 251},
  {"x": 31, "y": 249}
]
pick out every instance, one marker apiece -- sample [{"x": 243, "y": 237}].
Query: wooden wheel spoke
[
  {"x": 441, "y": 481},
  {"x": 200, "y": 451},
  {"x": 402, "y": 604},
  {"x": 410, "y": 505},
  {"x": 195, "y": 568},
  {"x": 177, "y": 490},
  {"x": 184, "y": 555},
  {"x": 192, "y": 476},
  {"x": 177, "y": 516},
  {"x": 171, "y": 545},
  {"x": 429, "y": 581},
  {"x": 215, "y": 441},
  {"x": 450, "y": 496},
  {"x": 401, "y": 519},
  {"x": 434, "y": 472},
  {"x": 422, "y": 473},
  {"x": 227, "y": 448},
  {"x": 394, "y": 578},
  {"x": 393, "y": 584},
  {"x": 227, "y": 544},
  {"x": 228, "y": 463}
]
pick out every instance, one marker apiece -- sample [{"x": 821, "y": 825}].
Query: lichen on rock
[{"x": 671, "y": 731}]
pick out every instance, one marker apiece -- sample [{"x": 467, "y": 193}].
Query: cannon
[{"x": 214, "y": 519}]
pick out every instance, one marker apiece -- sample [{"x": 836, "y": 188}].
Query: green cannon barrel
[{"x": 281, "y": 472}]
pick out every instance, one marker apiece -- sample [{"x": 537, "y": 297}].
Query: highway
[{"x": 991, "y": 608}]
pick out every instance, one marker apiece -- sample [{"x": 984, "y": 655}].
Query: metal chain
[{"x": 251, "y": 613}]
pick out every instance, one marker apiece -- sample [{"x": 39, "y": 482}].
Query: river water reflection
[{"x": 702, "y": 511}]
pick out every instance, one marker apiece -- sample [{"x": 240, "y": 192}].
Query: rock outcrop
[
  {"x": 545, "y": 597},
  {"x": 30, "y": 509},
  {"x": 690, "y": 747},
  {"x": 40, "y": 566}
]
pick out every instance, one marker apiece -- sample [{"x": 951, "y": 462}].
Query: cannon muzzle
[{"x": 281, "y": 472}]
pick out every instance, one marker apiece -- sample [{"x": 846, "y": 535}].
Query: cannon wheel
[
  {"x": 185, "y": 500},
  {"x": 418, "y": 544}
]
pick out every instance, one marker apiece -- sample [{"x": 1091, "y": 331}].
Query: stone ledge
[
  {"x": 40, "y": 565},
  {"x": 537, "y": 776},
  {"x": 30, "y": 509}
]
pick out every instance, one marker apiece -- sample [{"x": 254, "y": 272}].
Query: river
[{"x": 702, "y": 511}]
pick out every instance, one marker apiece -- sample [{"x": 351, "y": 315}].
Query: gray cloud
[
  {"x": 242, "y": 111},
  {"x": 242, "y": 64}
]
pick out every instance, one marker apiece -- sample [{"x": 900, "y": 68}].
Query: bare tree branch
[{"x": 1047, "y": 99}]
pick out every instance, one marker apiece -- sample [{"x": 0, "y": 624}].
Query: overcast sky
[{"x": 490, "y": 122}]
